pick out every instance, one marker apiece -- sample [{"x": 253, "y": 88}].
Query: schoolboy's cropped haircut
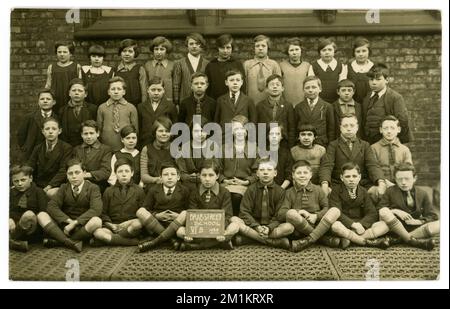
[
  {"x": 301, "y": 163},
  {"x": 326, "y": 42},
  {"x": 348, "y": 116},
  {"x": 155, "y": 80},
  {"x": 116, "y": 79},
  {"x": 25, "y": 169},
  {"x": 199, "y": 74},
  {"x": 127, "y": 130},
  {"x": 45, "y": 90},
  {"x": 390, "y": 118},
  {"x": 210, "y": 163},
  {"x": 123, "y": 161},
  {"x": 168, "y": 164},
  {"x": 233, "y": 72},
  {"x": 292, "y": 41},
  {"x": 77, "y": 81},
  {"x": 360, "y": 41},
  {"x": 266, "y": 160},
  {"x": 272, "y": 77},
  {"x": 349, "y": 166},
  {"x": 69, "y": 45},
  {"x": 310, "y": 78},
  {"x": 129, "y": 43},
  {"x": 161, "y": 121},
  {"x": 224, "y": 39},
  {"x": 345, "y": 83},
  {"x": 378, "y": 70},
  {"x": 307, "y": 127},
  {"x": 164, "y": 42},
  {"x": 263, "y": 37},
  {"x": 50, "y": 119},
  {"x": 196, "y": 37},
  {"x": 75, "y": 161},
  {"x": 96, "y": 50},
  {"x": 90, "y": 124},
  {"x": 404, "y": 167}
]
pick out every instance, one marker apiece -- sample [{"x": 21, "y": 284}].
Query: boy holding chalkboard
[{"x": 209, "y": 195}]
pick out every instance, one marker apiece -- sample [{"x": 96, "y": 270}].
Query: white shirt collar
[
  {"x": 314, "y": 101},
  {"x": 236, "y": 95},
  {"x": 167, "y": 189},
  {"x": 80, "y": 187},
  {"x": 46, "y": 114},
  {"x": 358, "y": 68},
  {"x": 134, "y": 153},
  {"x": 380, "y": 93},
  {"x": 194, "y": 61},
  {"x": 323, "y": 65}
]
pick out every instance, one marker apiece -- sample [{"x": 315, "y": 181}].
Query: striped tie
[
  {"x": 116, "y": 117},
  {"x": 208, "y": 196}
]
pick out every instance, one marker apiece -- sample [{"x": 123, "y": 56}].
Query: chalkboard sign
[{"x": 205, "y": 223}]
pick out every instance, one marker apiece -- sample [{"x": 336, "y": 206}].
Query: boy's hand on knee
[
  {"x": 359, "y": 229},
  {"x": 304, "y": 213},
  {"x": 312, "y": 218},
  {"x": 220, "y": 238},
  {"x": 414, "y": 222},
  {"x": 12, "y": 226},
  {"x": 188, "y": 238},
  {"x": 47, "y": 188}
]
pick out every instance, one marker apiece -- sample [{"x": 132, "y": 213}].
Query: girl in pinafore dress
[
  {"x": 133, "y": 73},
  {"x": 358, "y": 68},
  {"x": 60, "y": 73},
  {"x": 96, "y": 76}
]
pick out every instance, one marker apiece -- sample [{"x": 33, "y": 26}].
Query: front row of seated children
[{"x": 268, "y": 214}]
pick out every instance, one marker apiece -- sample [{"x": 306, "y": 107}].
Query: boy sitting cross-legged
[
  {"x": 257, "y": 219},
  {"x": 120, "y": 204},
  {"x": 26, "y": 200},
  {"x": 305, "y": 210},
  {"x": 408, "y": 212},
  {"x": 72, "y": 214},
  {"x": 358, "y": 222},
  {"x": 163, "y": 204}
]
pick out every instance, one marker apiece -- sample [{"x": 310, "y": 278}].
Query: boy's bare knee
[
  {"x": 237, "y": 220},
  {"x": 334, "y": 213},
  {"x": 43, "y": 218},
  {"x": 385, "y": 214},
  {"x": 336, "y": 226},
  {"x": 28, "y": 214},
  {"x": 292, "y": 215},
  {"x": 93, "y": 224}
]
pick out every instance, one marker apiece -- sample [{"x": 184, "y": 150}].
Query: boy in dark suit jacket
[
  {"x": 163, "y": 204},
  {"x": 29, "y": 134},
  {"x": 73, "y": 213},
  {"x": 383, "y": 101},
  {"x": 275, "y": 108},
  {"x": 198, "y": 103},
  {"x": 49, "y": 158},
  {"x": 358, "y": 222},
  {"x": 209, "y": 195},
  {"x": 75, "y": 112},
  {"x": 345, "y": 105},
  {"x": 95, "y": 156},
  {"x": 156, "y": 106},
  {"x": 234, "y": 102},
  {"x": 257, "y": 219},
  {"x": 315, "y": 111},
  {"x": 349, "y": 148},
  {"x": 26, "y": 200},
  {"x": 407, "y": 210},
  {"x": 120, "y": 204}
]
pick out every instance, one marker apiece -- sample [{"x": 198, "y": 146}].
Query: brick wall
[{"x": 415, "y": 61}]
